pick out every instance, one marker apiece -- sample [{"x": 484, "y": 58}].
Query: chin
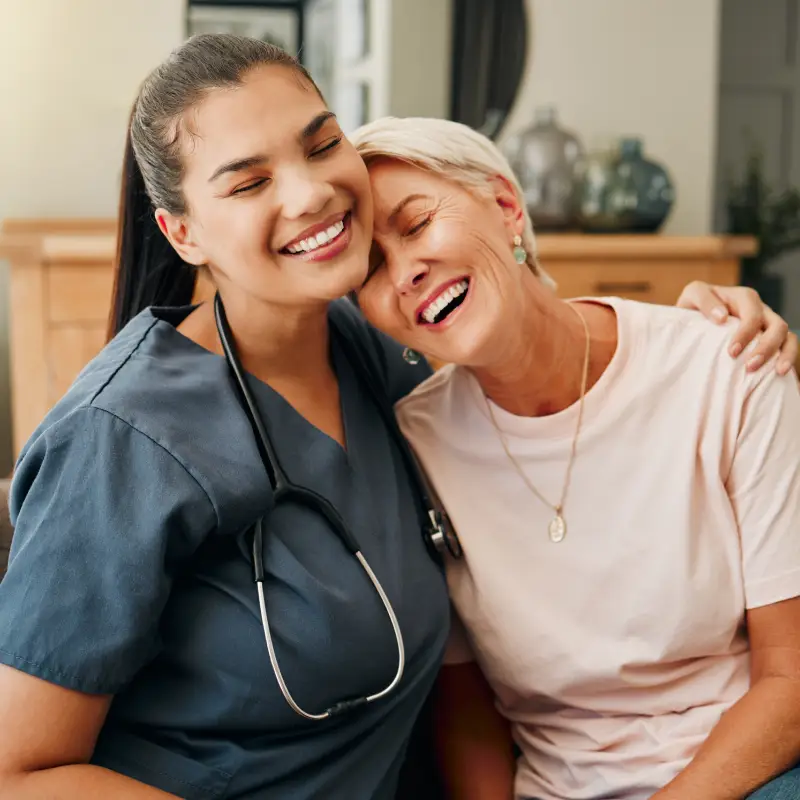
[
  {"x": 347, "y": 279},
  {"x": 460, "y": 345}
]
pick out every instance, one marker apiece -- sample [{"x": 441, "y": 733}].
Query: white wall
[
  {"x": 69, "y": 70},
  {"x": 421, "y": 58},
  {"x": 633, "y": 67}
]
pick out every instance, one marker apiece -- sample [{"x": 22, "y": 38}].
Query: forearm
[
  {"x": 476, "y": 769},
  {"x": 77, "y": 782},
  {"x": 474, "y": 746},
  {"x": 756, "y": 740}
]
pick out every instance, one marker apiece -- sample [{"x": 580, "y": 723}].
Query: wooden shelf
[
  {"x": 62, "y": 276},
  {"x": 642, "y": 246}
]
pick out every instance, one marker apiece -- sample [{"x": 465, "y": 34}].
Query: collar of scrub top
[{"x": 437, "y": 532}]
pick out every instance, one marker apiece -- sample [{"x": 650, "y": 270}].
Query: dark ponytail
[{"x": 149, "y": 271}]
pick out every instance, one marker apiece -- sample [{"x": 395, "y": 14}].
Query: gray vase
[
  {"x": 546, "y": 159},
  {"x": 625, "y": 193}
]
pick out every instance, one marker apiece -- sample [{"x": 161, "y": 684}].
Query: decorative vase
[
  {"x": 596, "y": 214},
  {"x": 546, "y": 159},
  {"x": 627, "y": 193}
]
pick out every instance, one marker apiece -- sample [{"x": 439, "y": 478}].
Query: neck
[
  {"x": 541, "y": 368},
  {"x": 272, "y": 341}
]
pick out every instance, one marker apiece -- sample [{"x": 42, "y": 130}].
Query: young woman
[{"x": 141, "y": 660}]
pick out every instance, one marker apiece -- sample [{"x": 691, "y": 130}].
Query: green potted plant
[{"x": 773, "y": 218}]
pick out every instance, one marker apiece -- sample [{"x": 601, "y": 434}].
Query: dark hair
[{"x": 148, "y": 270}]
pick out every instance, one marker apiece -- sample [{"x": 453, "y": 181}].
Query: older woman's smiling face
[{"x": 442, "y": 274}]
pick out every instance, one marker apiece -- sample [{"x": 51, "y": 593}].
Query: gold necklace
[{"x": 557, "y": 528}]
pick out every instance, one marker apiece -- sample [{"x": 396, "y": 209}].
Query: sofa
[{"x": 5, "y": 527}]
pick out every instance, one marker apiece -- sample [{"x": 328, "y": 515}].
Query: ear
[
  {"x": 509, "y": 203},
  {"x": 178, "y": 232}
]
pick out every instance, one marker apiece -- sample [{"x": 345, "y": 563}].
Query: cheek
[
  {"x": 234, "y": 234},
  {"x": 355, "y": 176},
  {"x": 378, "y": 303},
  {"x": 457, "y": 242}
]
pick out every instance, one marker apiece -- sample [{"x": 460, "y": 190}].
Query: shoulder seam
[
  {"x": 161, "y": 447},
  {"x": 122, "y": 363}
]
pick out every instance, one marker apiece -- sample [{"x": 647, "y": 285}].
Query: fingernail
[
  {"x": 783, "y": 367},
  {"x": 755, "y": 362},
  {"x": 719, "y": 314},
  {"x": 735, "y": 349}
]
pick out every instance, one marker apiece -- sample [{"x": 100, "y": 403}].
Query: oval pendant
[{"x": 557, "y": 529}]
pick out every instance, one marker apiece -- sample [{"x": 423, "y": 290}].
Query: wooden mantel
[
  {"x": 100, "y": 248},
  {"x": 62, "y": 274},
  {"x": 625, "y": 247}
]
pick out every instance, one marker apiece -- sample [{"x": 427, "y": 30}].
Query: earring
[
  {"x": 411, "y": 356},
  {"x": 520, "y": 256}
]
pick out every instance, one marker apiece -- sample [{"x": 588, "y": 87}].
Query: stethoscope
[{"x": 437, "y": 532}]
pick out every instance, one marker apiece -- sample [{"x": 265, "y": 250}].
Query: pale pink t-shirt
[{"x": 616, "y": 651}]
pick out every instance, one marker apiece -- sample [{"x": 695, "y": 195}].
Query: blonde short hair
[{"x": 449, "y": 149}]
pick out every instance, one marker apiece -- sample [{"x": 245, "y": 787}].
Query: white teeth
[
  {"x": 315, "y": 242},
  {"x": 443, "y": 300}
]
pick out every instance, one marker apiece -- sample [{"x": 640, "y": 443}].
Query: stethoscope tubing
[{"x": 284, "y": 489}]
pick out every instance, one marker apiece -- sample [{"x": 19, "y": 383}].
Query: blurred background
[{"x": 670, "y": 120}]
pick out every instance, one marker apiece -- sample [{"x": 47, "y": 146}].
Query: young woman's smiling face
[
  {"x": 278, "y": 200},
  {"x": 442, "y": 274}
]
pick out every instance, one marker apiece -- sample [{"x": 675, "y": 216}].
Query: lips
[
  {"x": 441, "y": 302},
  {"x": 318, "y": 236}
]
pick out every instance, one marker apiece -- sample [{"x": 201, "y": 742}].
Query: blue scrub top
[{"x": 130, "y": 573}]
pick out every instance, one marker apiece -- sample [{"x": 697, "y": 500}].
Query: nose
[
  {"x": 301, "y": 193},
  {"x": 408, "y": 276}
]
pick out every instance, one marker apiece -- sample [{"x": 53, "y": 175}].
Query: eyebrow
[
  {"x": 241, "y": 164},
  {"x": 316, "y": 124},
  {"x": 402, "y": 204}
]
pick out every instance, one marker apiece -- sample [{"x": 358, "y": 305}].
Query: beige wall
[
  {"x": 639, "y": 67},
  {"x": 420, "y": 58},
  {"x": 68, "y": 75}
]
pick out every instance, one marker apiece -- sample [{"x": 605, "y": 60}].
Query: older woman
[{"x": 628, "y": 503}]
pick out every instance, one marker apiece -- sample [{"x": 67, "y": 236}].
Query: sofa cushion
[{"x": 5, "y": 526}]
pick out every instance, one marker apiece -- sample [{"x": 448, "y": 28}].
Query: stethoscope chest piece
[{"x": 441, "y": 536}]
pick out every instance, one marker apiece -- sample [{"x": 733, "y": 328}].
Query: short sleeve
[
  {"x": 764, "y": 487},
  {"x": 458, "y": 650},
  {"x": 105, "y": 518}
]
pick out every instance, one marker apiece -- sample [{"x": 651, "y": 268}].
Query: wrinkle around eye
[{"x": 420, "y": 224}]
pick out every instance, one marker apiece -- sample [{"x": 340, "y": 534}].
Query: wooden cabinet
[
  {"x": 60, "y": 292},
  {"x": 653, "y": 269},
  {"x": 62, "y": 275}
]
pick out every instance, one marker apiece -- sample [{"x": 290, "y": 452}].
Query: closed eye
[
  {"x": 250, "y": 186},
  {"x": 328, "y": 147},
  {"x": 419, "y": 225}
]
